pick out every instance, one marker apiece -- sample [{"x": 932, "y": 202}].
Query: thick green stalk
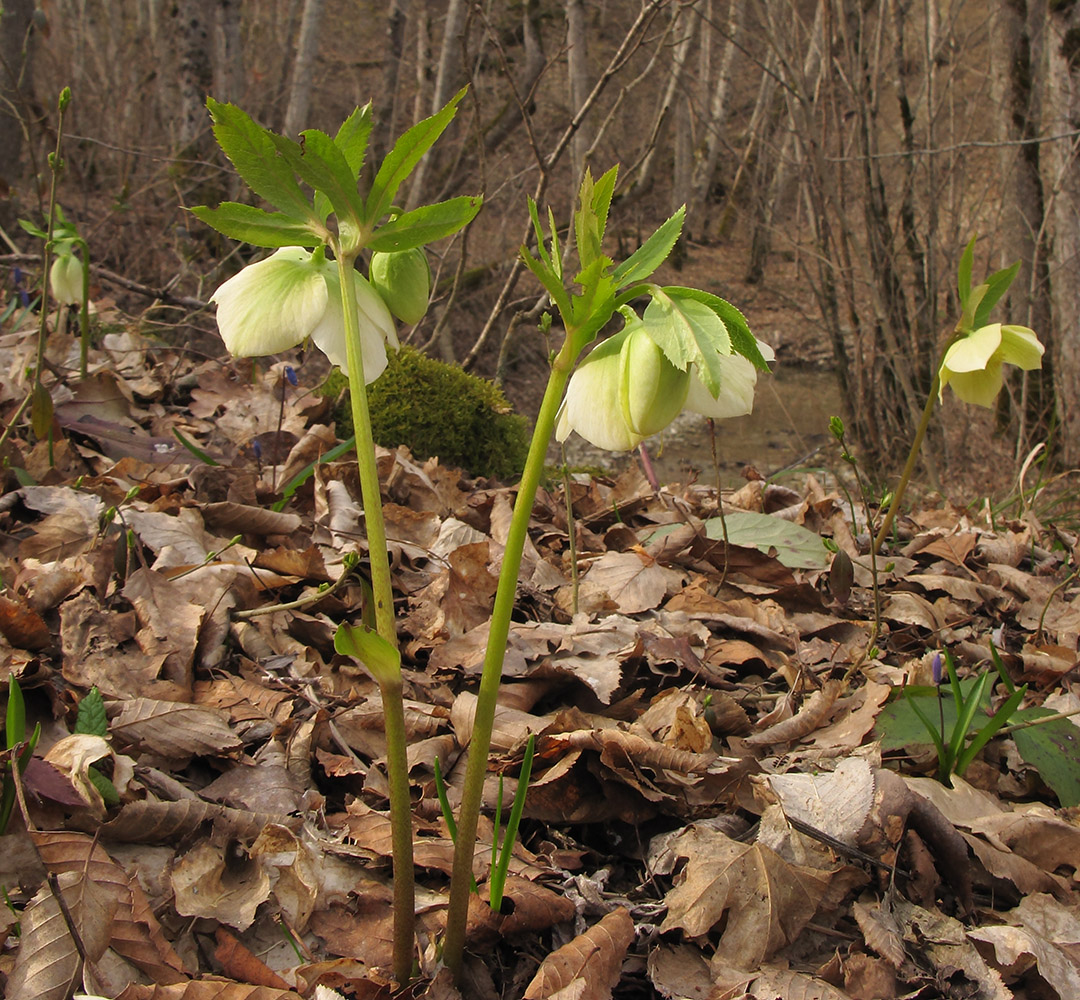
[
  {"x": 909, "y": 466},
  {"x": 393, "y": 708},
  {"x": 472, "y": 794}
]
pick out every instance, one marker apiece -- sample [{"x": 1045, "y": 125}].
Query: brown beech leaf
[
  {"x": 207, "y": 989},
  {"x": 767, "y": 901},
  {"x": 171, "y": 729},
  {"x": 70, "y": 524},
  {"x": 150, "y": 821},
  {"x": 881, "y": 931},
  {"x": 642, "y": 752},
  {"x": 136, "y": 934},
  {"x": 242, "y": 519},
  {"x": 22, "y": 626},
  {"x": 634, "y": 581},
  {"x": 587, "y": 967},
  {"x": 203, "y": 886},
  {"x": 48, "y": 960},
  {"x": 810, "y": 717},
  {"x": 237, "y": 961}
]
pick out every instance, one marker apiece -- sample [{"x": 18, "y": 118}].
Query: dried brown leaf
[
  {"x": 617, "y": 746},
  {"x": 171, "y": 729},
  {"x": 136, "y": 934},
  {"x": 22, "y": 626},
  {"x": 242, "y": 519},
  {"x": 207, "y": 989},
  {"x": 767, "y": 901},
  {"x": 810, "y": 717},
  {"x": 237, "y": 961},
  {"x": 150, "y": 821},
  {"x": 881, "y": 932},
  {"x": 587, "y": 967}
]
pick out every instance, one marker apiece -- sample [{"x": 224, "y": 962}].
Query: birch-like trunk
[{"x": 307, "y": 48}]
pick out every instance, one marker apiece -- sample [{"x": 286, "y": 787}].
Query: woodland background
[{"x": 838, "y": 153}]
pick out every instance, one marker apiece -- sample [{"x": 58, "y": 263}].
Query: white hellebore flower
[
  {"x": 627, "y": 390},
  {"x": 972, "y": 365},
  {"x": 279, "y": 302},
  {"x": 65, "y": 279}
]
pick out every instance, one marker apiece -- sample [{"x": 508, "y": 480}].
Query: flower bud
[
  {"x": 65, "y": 279},
  {"x": 403, "y": 279}
]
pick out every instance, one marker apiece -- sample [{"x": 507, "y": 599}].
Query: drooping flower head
[
  {"x": 66, "y": 277},
  {"x": 278, "y": 303},
  {"x": 973, "y": 364},
  {"x": 627, "y": 389}
]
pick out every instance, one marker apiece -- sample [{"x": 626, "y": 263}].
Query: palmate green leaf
[
  {"x": 590, "y": 220},
  {"x": 422, "y": 225},
  {"x": 405, "y": 155},
  {"x": 323, "y": 166},
  {"x": 551, "y": 283},
  {"x": 352, "y": 138},
  {"x": 996, "y": 286},
  {"x": 688, "y": 332},
  {"x": 251, "y": 149},
  {"x": 259, "y": 228},
  {"x": 742, "y": 340},
  {"x": 92, "y": 718},
  {"x": 652, "y": 253}
]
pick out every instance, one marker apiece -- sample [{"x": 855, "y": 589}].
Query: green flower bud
[{"x": 403, "y": 279}]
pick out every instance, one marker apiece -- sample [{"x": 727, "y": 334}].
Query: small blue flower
[
  {"x": 935, "y": 668},
  {"x": 290, "y": 374}
]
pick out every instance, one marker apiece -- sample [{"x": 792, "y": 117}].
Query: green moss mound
[{"x": 438, "y": 409}]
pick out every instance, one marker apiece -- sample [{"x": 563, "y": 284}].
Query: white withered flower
[
  {"x": 972, "y": 365},
  {"x": 280, "y": 302}
]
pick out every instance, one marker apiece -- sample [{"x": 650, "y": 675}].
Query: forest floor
[{"x": 730, "y": 796}]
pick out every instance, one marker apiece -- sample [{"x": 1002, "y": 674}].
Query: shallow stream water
[{"x": 789, "y": 427}]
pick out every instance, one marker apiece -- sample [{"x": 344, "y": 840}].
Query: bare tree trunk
[
  {"x": 386, "y": 118},
  {"x": 194, "y": 27},
  {"x": 1019, "y": 40},
  {"x": 522, "y": 102},
  {"x": 1063, "y": 183},
  {"x": 705, "y": 168},
  {"x": 15, "y": 51},
  {"x": 577, "y": 69},
  {"x": 228, "y": 51},
  {"x": 682, "y": 31},
  {"x": 307, "y": 48},
  {"x": 446, "y": 83}
]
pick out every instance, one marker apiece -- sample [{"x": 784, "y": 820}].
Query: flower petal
[
  {"x": 592, "y": 406},
  {"x": 65, "y": 279},
  {"x": 651, "y": 389},
  {"x": 376, "y": 327},
  {"x": 1020, "y": 347},
  {"x": 272, "y": 305},
  {"x": 978, "y": 387},
  {"x": 737, "y": 381},
  {"x": 973, "y": 352}
]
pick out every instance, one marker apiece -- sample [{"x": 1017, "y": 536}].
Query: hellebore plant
[
  {"x": 973, "y": 360},
  {"x": 638, "y": 382},
  {"x": 297, "y": 294}
]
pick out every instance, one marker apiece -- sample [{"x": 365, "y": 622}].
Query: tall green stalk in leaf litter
[
  {"x": 637, "y": 380},
  {"x": 297, "y": 294}
]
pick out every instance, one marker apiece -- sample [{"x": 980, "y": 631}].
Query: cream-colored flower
[
  {"x": 627, "y": 390},
  {"x": 624, "y": 391},
  {"x": 738, "y": 380},
  {"x": 65, "y": 279},
  {"x": 972, "y": 365},
  {"x": 280, "y": 302}
]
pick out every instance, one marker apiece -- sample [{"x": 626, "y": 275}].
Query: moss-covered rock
[{"x": 438, "y": 409}]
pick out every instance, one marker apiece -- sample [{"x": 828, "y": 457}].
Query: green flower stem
[
  {"x": 393, "y": 707},
  {"x": 472, "y": 794},
  {"x": 909, "y": 466},
  {"x": 84, "y": 309}
]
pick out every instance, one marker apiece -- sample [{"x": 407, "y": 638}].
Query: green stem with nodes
[
  {"x": 472, "y": 794},
  {"x": 390, "y": 689}
]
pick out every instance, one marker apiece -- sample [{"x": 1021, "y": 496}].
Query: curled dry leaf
[
  {"x": 810, "y": 717},
  {"x": 588, "y": 967},
  {"x": 207, "y": 990},
  {"x": 153, "y": 822},
  {"x": 619, "y": 744}
]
